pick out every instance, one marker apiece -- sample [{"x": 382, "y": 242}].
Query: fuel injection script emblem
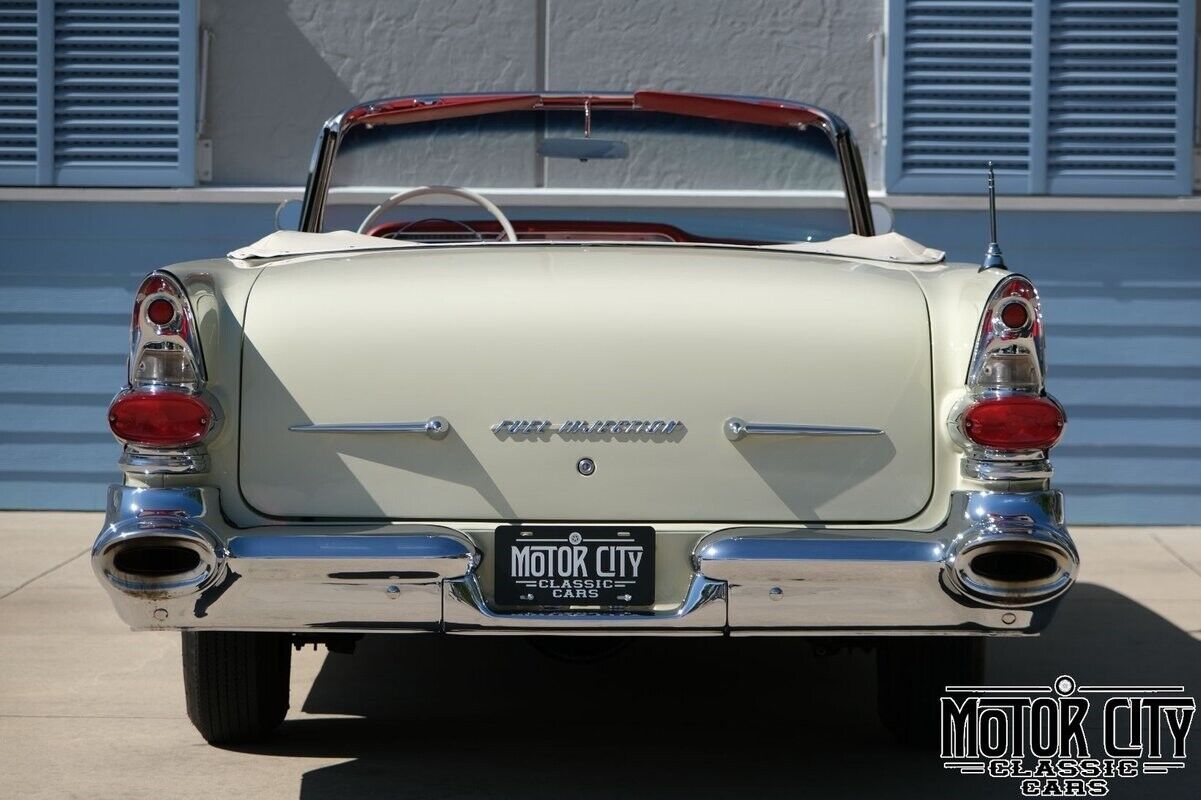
[{"x": 583, "y": 427}]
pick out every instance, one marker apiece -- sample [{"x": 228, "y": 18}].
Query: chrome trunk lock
[{"x": 586, "y": 466}]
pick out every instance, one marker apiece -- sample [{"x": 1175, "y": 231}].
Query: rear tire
[
  {"x": 912, "y": 674},
  {"x": 236, "y": 684}
]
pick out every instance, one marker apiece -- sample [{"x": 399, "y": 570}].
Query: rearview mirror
[
  {"x": 583, "y": 149},
  {"x": 287, "y": 216}
]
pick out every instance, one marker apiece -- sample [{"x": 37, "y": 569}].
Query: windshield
[{"x": 553, "y": 166}]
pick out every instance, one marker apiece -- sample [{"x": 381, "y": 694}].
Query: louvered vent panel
[
  {"x": 966, "y": 86},
  {"x": 1114, "y": 88},
  {"x": 117, "y": 86},
  {"x": 18, "y": 84}
]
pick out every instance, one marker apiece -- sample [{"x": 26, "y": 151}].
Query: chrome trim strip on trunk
[
  {"x": 738, "y": 429},
  {"x": 434, "y": 427}
]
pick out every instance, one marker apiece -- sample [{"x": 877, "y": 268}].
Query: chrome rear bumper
[{"x": 997, "y": 566}]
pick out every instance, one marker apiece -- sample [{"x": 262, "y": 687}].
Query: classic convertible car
[{"x": 608, "y": 415}]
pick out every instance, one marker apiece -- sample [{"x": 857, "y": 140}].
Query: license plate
[{"x": 557, "y": 565}]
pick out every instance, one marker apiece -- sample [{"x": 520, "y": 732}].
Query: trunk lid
[{"x": 487, "y": 334}]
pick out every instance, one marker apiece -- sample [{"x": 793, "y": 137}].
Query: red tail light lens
[
  {"x": 160, "y": 419},
  {"x": 160, "y": 311},
  {"x": 1014, "y": 315},
  {"x": 1014, "y": 423}
]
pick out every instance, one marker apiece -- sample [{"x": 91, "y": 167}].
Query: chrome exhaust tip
[
  {"x": 158, "y": 556},
  {"x": 1012, "y": 566}
]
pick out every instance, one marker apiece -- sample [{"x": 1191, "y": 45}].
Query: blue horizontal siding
[
  {"x": 67, "y": 276},
  {"x": 53, "y": 416},
  {"x": 90, "y": 457},
  {"x": 26, "y": 293},
  {"x": 1181, "y": 350},
  {"x": 27, "y": 337},
  {"x": 1127, "y": 395},
  {"x": 1122, "y": 296},
  {"x": 56, "y": 491},
  {"x": 67, "y": 379},
  {"x": 1122, "y": 299},
  {"x": 1164, "y": 435}
]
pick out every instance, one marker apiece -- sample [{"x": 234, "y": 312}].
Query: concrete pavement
[{"x": 91, "y": 710}]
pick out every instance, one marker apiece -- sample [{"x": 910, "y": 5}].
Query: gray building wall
[{"x": 278, "y": 68}]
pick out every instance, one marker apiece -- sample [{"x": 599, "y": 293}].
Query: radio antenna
[{"x": 993, "y": 257}]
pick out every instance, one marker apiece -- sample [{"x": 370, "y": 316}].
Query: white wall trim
[
  {"x": 907, "y": 202},
  {"x": 608, "y": 198}
]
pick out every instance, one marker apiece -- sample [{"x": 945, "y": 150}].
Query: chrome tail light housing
[
  {"x": 164, "y": 353},
  {"x": 1006, "y": 423},
  {"x": 163, "y": 415}
]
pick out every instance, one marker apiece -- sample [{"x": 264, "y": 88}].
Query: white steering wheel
[{"x": 453, "y": 191}]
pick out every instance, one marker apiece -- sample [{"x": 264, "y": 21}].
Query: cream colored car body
[
  {"x": 328, "y": 435},
  {"x": 446, "y": 335},
  {"x": 779, "y": 427},
  {"x": 482, "y": 333}
]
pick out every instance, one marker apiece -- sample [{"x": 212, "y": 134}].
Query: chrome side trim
[
  {"x": 737, "y": 429},
  {"x": 434, "y": 427},
  {"x": 702, "y": 612}
]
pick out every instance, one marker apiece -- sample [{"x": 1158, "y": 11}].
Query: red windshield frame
[
  {"x": 750, "y": 110},
  {"x": 754, "y": 111}
]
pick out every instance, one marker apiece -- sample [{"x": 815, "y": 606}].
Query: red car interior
[{"x": 537, "y": 230}]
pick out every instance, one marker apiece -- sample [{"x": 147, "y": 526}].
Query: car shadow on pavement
[{"x": 444, "y": 716}]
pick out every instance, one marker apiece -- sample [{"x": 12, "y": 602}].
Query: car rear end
[
  {"x": 585, "y": 439},
  {"x": 726, "y": 441},
  {"x": 331, "y": 434}
]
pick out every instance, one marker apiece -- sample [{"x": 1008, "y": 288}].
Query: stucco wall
[
  {"x": 811, "y": 50},
  {"x": 278, "y": 68}
]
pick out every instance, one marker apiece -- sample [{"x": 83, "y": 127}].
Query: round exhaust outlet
[
  {"x": 155, "y": 560},
  {"x": 1014, "y": 566},
  {"x": 159, "y": 561},
  {"x": 1011, "y": 568}
]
